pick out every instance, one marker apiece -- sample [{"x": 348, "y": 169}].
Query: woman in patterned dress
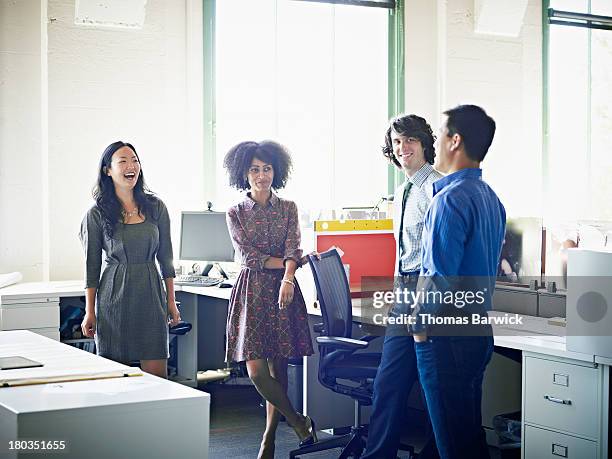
[
  {"x": 126, "y": 309},
  {"x": 267, "y": 322}
]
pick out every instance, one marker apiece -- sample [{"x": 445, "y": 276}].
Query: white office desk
[
  {"x": 580, "y": 430},
  {"x": 48, "y": 292},
  {"x": 34, "y": 306},
  {"x": 206, "y": 308},
  {"x": 203, "y": 348},
  {"x": 132, "y": 417},
  {"x": 565, "y": 395}
]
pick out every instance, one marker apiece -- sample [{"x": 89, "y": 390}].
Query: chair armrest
[
  {"x": 337, "y": 342},
  {"x": 318, "y": 328},
  {"x": 369, "y": 338},
  {"x": 181, "y": 328}
]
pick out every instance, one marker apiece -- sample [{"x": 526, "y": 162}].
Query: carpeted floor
[{"x": 238, "y": 421}]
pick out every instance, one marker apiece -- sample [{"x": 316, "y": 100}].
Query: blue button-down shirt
[{"x": 462, "y": 238}]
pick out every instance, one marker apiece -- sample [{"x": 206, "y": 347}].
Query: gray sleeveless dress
[{"x": 131, "y": 308}]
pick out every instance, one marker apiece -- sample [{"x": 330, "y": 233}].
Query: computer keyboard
[{"x": 197, "y": 281}]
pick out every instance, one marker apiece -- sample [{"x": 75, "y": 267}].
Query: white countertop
[
  {"x": 53, "y": 290},
  {"x": 59, "y": 357},
  {"x": 536, "y": 335},
  {"x": 550, "y": 345},
  {"x": 215, "y": 292},
  {"x": 38, "y": 290}
]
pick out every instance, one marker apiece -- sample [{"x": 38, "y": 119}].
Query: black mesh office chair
[{"x": 338, "y": 360}]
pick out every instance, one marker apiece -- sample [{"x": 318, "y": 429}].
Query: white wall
[
  {"x": 145, "y": 86},
  {"x": 21, "y": 174},
  {"x": 104, "y": 84},
  {"x": 447, "y": 64},
  {"x": 422, "y": 67}
]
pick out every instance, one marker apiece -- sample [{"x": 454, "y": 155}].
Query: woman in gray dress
[{"x": 127, "y": 309}]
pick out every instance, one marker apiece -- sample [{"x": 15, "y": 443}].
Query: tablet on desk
[{"x": 15, "y": 362}]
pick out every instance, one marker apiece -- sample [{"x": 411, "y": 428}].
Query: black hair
[
  {"x": 475, "y": 127},
  {"x": 238, "y": 160},
  {"x": 410, "y": 126},
  {"x": 106, "y": 198}
]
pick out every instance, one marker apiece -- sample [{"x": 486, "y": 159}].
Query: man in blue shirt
[{"x": 462, "y": 240}]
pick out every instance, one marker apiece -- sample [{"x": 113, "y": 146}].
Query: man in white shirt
[{"x": 409, "y": 145}]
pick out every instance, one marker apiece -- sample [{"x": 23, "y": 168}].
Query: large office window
[
  {"x": 580, "y": 115},
  {"x": 313, "y": 76}
]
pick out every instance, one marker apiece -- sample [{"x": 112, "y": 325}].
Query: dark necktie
[{"x": 401, "y": 228}]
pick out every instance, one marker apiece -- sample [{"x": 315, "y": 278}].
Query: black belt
[
  {"x": 130, "y": 263},
  {"x": 412, "y": 275}
]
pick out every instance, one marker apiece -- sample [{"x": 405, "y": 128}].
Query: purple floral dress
[{"x": 256, "y": 327}]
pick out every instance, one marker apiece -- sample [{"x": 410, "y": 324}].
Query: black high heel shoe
[{"x": 311, "y": 439}]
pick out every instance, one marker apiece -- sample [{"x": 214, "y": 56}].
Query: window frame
[
  {"x": 548, "y": 19},
  {"x": 396, "y": 92}
]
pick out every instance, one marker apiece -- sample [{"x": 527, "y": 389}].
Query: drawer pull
[
  {"x": 557, "y": 400},
  {"x": 559, "y": 450}
]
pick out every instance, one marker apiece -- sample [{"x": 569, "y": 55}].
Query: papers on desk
[
  {"x": 10, "y": 278},
  {"x": 14, "y": 362},
  {"x": 63, "y": 376},
  {"x": 71, "y": 365}
]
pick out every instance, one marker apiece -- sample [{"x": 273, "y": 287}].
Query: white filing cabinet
[
  {"x": 38, "y": 315},
  {"x": 565, "y": 408}
]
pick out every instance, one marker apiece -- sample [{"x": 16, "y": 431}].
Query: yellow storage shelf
[{"x": 353, "y": 225}]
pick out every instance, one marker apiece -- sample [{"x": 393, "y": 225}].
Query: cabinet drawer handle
[{"x": 557, "y": 400}]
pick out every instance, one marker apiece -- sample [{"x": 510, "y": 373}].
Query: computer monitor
[
  {"x": 521, "y": 254},
  {"x": 205, "y": 237}
]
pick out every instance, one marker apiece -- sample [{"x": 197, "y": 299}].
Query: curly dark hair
[
  {"x": 410, "y": 126},
  {"x": 104, "y": 191},
  {"x": 238, "y": 160}
]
